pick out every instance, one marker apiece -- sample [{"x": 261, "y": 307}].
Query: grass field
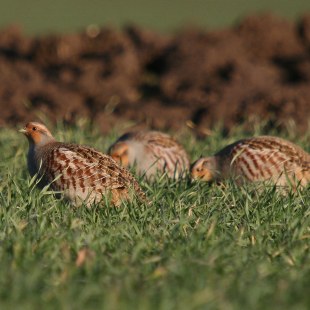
[{"x": 196, "y": 247}]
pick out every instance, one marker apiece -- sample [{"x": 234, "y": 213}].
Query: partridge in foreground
[
  {"x": 152, "y": 152},
  {"x": 81, "y": 173},
  {"x": 257, "y": 159}
]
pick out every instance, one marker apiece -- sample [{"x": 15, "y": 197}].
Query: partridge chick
[
  {"x": 81, "y": 173},
  {"x": 152, "y": 152},
  {"x": 257, "y": 159}
]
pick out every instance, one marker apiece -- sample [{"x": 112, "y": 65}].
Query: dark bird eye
[{"x": 34, "y": 128}]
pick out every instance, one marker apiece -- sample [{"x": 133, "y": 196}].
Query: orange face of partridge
[
  {"x": 119, "y": 152},
  {"x": 202, "y": 169},
  {"x": 36, "y": 133}
]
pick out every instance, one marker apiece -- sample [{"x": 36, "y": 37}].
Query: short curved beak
[
  {"x": 205, "y": 175},
  {"x": 23, "y": 130},
  {"x": 121, "y": 159},
  {"x": 195, "y": 175},
  {"x": 115, "y": 157}
]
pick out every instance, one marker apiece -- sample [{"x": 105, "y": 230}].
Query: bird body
[
  {"x": 257, "y": 159},
  {"x": 151, "y": 152},
  {"x": 81, "y": 173}
]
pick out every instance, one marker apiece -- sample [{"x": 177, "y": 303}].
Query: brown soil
[{"x": 260, "y": 68}]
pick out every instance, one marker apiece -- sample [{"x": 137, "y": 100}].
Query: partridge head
[
  {"x": 81, "y": 173},
  {"x": 37, "y": 134},
  {"x": 205, "y": 169}
]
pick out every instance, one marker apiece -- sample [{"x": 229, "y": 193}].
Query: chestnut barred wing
[{"x": 79, "y": 168}]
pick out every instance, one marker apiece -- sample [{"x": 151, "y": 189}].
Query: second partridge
[{"x": 152, "y": 152}]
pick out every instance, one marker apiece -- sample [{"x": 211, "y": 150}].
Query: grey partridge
[
  {"x": 257, "y": 159},
  {"x": 152, "y": 153},
  {"x": 81, "y": 173}
]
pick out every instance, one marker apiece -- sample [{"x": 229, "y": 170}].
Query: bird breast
[{"x": 32, "y": 161}]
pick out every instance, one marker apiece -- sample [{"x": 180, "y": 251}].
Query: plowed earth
[{"x": 258, "y": 69}]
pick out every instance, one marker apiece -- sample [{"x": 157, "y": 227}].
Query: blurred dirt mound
[{"x": 260, "y": 68}]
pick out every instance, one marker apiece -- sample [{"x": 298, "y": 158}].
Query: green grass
[{"x": 197, "y": 246}]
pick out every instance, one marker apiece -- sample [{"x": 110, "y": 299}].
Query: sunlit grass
[{"x": 196, "y": 246}]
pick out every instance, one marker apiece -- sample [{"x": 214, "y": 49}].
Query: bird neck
[
  {"x": 36, "y": 155},
  {"x": 216, "y": 167},
  {"x": 40, "y": 141}
]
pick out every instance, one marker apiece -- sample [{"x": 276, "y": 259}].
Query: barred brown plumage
[
  {"x": 257, "y": 159},
  {"x": 81, "y": 173},
  {"x": 151, "y": 152}
]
